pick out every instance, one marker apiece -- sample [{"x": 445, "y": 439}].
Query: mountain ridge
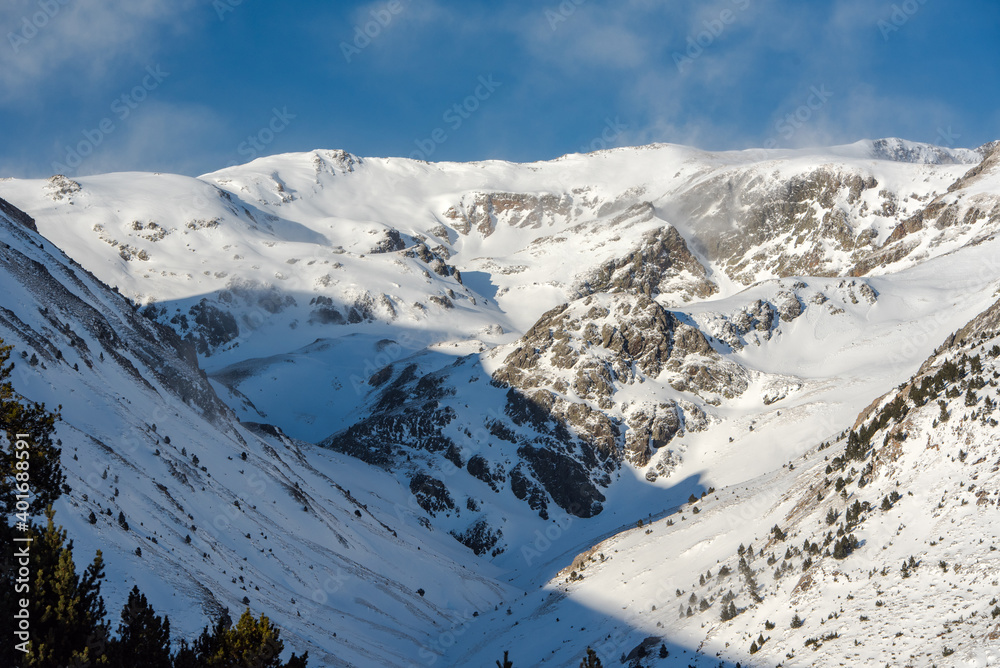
[{"x": 512, "y": 364}]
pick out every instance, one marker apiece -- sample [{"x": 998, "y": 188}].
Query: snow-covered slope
[
  {"x": 887, "y": 554},
  {"x": 221, "y": 512},
  {"x": 508, "y": 366}
]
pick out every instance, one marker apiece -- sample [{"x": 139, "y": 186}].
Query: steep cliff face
[
  {"x": 77, "y": 311},
  {"x": 577, "y": 357},
  {"x": 661, "y": 264}
]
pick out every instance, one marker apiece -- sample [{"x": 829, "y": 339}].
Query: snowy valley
[{"x": 680, "y": 407}]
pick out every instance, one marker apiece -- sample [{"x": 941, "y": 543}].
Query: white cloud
[
  {"x": 156, "y": 136},
  {"x": 72, "y": 43}
]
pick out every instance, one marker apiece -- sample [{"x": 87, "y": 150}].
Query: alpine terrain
[{"x": 675, "y": 406}]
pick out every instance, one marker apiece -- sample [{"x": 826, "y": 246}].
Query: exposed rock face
[
  {"x": 389, "y": 241},
  {"x": 478, "y": 467},
  {"x": 413, "y": 428},
  {"x": 759, "y": 320},
  {"x": 661, "y": 263},
  {"x": 435, "y": 260},
  {"x": 572, "y": 360},
  {"x": 431, "y": 494},
  {"x": 947, "y": 211},
  {"x": 17, "y": 215},
  {"x": 146, "y": 351},
  {"x": 755, "y": 224},
  {"x": 641, "y": 337},
  {"x": 565, "y": 479},
  {"x": 481, "y": 538},
  {"x": 215, "y": 326},
  {"x": 526, "y": 489},
  {"x": 62, "y": 187},
  {"x": 648, "y": 431},
  {"x": 900, "y": 151},
  {"x": 483, "y": 212},
  {"x": 408, "y": 413}
]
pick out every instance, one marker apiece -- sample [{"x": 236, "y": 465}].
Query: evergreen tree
[
  {"x": 143, "y": 637},
  {"x": 252, "y": 642},
  {"x": 68, "y": 617},
  {"x": 970, "y": 398},
  {"x": 845, "y": 546},
  {"x": 506, "y": 662},
  {"x": 592, "y": 660},
  {"x": 41, "y": 463},
  {"x": 663, "y": 650},
  {"x": 67, "y": 611}
]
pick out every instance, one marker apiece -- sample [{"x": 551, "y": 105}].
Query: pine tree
[
  {"x": 663, "y": 650},
  {"x": 143, "y": 637},
  {"x": 67, "y": 612},
  {"x": 970, "y": 398},
  {"x": 20, "y": 416},
  {"x": 252, "y": 642},
  {"x": 506, "y": 662},
  {"x": 592, "y": 660}
]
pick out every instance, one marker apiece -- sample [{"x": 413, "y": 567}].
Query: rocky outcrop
[
  {"x": 388, "y": 241},
  {"x": 434, "y": 259},
  {"x": 484, "y": 212},
  {"x": 752, "y": 224},
  {"x": 481, "y": 538},
  {"x": 568, "y": 366},
  {"x": 565, "y": 479},
  {"x": 643, "y": 339},
  {"x": 650, "y": 429},
  {"x": 660, "y": 263},
  {"x": 950, "y": 209},
  {"x": 16, "y": 215},
  {"x": 431, "y": 494}
]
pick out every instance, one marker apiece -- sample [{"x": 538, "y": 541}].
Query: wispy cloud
[{"x": 79, "y": 40}]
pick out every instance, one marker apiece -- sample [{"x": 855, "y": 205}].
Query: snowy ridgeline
[{"x": 440, "y": 398}]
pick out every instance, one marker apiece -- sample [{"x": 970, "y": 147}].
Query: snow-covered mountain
[{"x": 438, "y": 398}]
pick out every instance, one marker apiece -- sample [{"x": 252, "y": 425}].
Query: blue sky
[{"x": 190, "y": 86}]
